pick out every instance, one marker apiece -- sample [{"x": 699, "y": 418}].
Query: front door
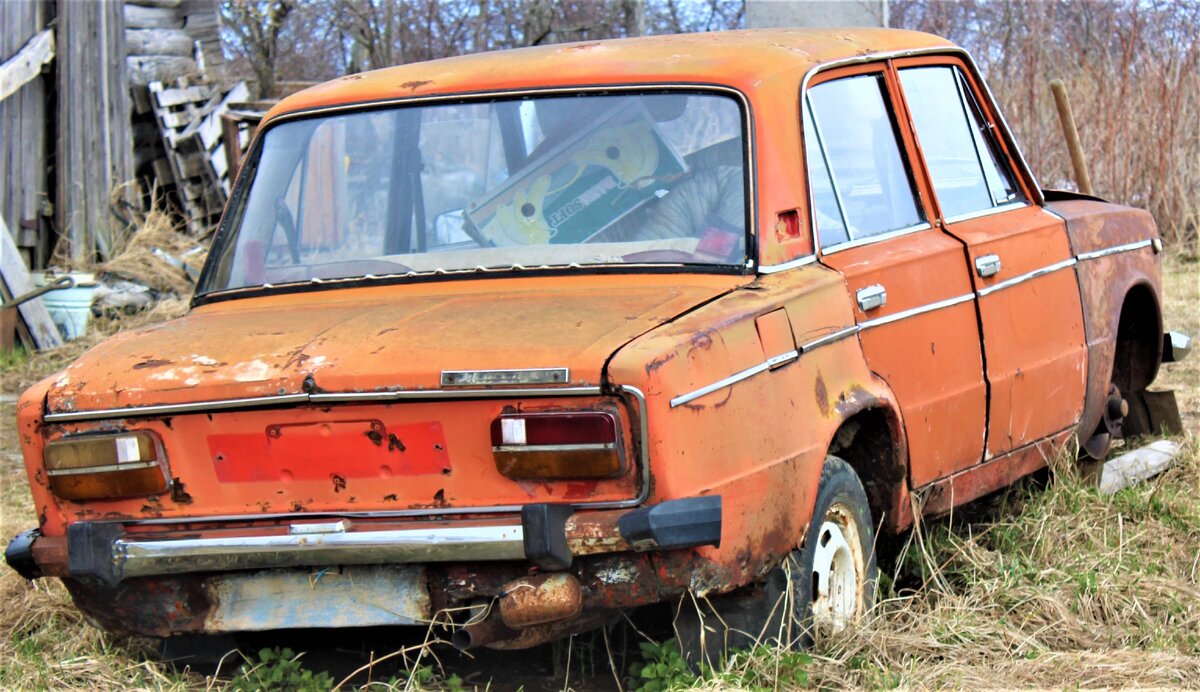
[{"x": 1018, "y": 257}]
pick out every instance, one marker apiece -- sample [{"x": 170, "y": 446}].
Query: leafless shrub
[{"x": 1131, "y": 71}]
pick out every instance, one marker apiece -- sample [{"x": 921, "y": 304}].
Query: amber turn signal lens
[
  {"x": 105, "y": 467},
  {"x": 557, "y": 446}
]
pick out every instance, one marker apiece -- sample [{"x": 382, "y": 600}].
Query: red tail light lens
[{"x": 559, "y": 445}]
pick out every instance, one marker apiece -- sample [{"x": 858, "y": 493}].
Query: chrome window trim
[
  {"x": 1127, "y": 247},
  {"x": 853, "y": 241},
  {"x": 1008, "y": 283},
  {"x": 915, "y": 228},
  {"x": 790, "y": 264},
  {"x": 750, "y": 174},
  {"x": 959, "y": 88},
  {"x": 1014, "y": 146},
  {"x": 837, "y": 191},
  {"x": 1007, "y": 206}
]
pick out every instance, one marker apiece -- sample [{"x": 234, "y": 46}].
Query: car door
[
  {"x": 1019, "y": 257},
  {"x": 913, "y": 294}
]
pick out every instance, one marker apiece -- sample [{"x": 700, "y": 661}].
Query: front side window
[
  {"x": 567, "y": 182},
  {"x": 857, "y": 136},
  {"x": 960, "y": 152}
]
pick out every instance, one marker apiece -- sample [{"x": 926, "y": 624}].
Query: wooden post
[
  {"x": 1067, "y": 118},
  {"x": 95, "y": 145}
]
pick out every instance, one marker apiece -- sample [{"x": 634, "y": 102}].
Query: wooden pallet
[{"x": 189, "y": 122}]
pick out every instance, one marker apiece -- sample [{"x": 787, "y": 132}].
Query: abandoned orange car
[{"x": 517, "y": 341}]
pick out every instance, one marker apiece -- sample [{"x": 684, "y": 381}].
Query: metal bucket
[{"x": 70, "y": 308}]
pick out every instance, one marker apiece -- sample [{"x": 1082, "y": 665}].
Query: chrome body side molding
[{"x": 905, "y": 314}]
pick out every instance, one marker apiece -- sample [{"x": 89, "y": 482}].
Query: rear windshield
[{"x": 504, "y": 185}]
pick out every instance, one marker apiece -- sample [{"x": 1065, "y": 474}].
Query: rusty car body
[{"x": 525, "y": 446}]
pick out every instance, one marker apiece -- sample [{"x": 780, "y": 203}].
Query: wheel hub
[{"x": 838, "y": 572}]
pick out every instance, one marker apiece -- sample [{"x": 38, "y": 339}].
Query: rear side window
[
  {"x": 960, "y": 150},
  {"x": 857, "y": 154}
]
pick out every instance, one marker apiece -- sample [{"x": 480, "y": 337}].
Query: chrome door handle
[
  {"x": 871, "y": 297},
  {"x": 988, "y": 265}
]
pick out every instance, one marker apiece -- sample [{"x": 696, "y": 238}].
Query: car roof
[{"x": 747, "y": 60}]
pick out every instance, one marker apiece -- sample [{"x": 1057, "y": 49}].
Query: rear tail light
[
  {"x": 559, "y": 445},
  {"x": 105, "y": 467}
]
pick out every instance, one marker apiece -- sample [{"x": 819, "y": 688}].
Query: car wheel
[
  {"x": 838, "y": 556},
  {"x": 818, "y": 590}
]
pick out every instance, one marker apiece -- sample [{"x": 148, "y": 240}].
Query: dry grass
[
  {"x": 21, "y": 370},
  {"x": 1060, "y": 588},
  {"x": 44, "y": 641},
  {"x": 146, "y": 256},
  {"x": 1067, "y": 588}
]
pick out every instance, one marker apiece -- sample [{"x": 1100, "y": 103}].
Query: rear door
[
  {"x": 1019, "y": 259},
  {"x": 913, "y": 294}
]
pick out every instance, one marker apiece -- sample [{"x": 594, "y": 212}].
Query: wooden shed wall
[
  {"x": 95, "y": 142},
  {"x": 24, "y": 118}
]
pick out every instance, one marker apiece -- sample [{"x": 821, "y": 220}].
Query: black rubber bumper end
[
  {"x": 674, "y": 524},
  {"x": 544, "y": 527},
  {"x": 90, "y": 551},
  {"x": 19, "y": 554}
]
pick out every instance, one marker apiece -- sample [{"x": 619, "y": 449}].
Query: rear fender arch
[{"x": 869, "y": 435}]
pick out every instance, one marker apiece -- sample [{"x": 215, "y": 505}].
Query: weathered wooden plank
[
  {"x": 18, "y": 282},
  {"x": 169, "y": 4},
  {"x": 95, "y": 141},
  {"x": 23, "y": 122},
  {"x": 27, "y": 63},
  {"x": 143, "y": 69},
  {"x": 167, "y": 98},
  {"x": 139, "y": 17},
  {"x": 1138, "y": 465},
  {"x": 176, "y": 42}
]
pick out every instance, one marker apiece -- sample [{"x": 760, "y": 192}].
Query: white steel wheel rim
[{"x": 839, "y": 569}]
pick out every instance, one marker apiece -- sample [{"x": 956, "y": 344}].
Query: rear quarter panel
[{"x": 760, "y": 442}]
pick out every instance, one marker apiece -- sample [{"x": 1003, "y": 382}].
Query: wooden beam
[
  {"x": 1138, "y": 465},
  {"x": 18, "y": 282},
  {"x": 27, "y": 63}
]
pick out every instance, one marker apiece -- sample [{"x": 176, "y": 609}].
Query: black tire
[{"x": 780, "y": 611}]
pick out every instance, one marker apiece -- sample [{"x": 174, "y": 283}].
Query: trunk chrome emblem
[{"x": 477, "y": 378}]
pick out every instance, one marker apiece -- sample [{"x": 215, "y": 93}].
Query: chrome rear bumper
[
  {"x": 550, "y": 536},
  {"x": 139, "y": 558}
]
